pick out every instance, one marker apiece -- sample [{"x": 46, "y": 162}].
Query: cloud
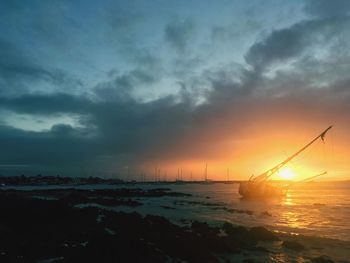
[
  {"x": 50, "y": 23},
  {"x": 146, "y": 59},
  {"x": 18, "y": 72},
  {"x": 133, "y": 133},
  {"x": 298, "y": 70},
  {"x": 46, "y": 104},
  {"x": 232, "y": 32},
  {"x": 324, "y": 8},
  {"x": 178, "y": 33},
  {"x": 174, "y": 127},
  {"x": 122, "y": 86},
  {"x": 15, "y": 66},
  {"x": 293, "y": 42},
  {"x": 56, "y": 148}
]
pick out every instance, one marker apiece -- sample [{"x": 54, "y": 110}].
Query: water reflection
[
  {"x": 318, "y": 209},
  {"x": 288, "y": 200}
]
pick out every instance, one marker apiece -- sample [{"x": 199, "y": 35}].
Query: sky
[{"x": 120, "y": 88}]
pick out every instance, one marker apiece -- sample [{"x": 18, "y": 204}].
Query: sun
[{"x": 286, "y": 173}]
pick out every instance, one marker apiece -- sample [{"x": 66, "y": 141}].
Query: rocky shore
[{"x": 50, "y": 226}]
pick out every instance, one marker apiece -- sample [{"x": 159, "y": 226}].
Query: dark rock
[
  {"x": 262, "y": 234},
  {"x": 232, "y": 210},
  {"x": 266, "y": 213},
  {"x": 34, "y": 229},
  {"x": 74, "y": 198},
  {"x": 293, "y": 245},
  {"x": 167, "y": 207},
  {"x": 71, "y": 194},
  {"x": 258, "y": 248},
  {"x": 238, "y": 235},
  {"x": 113, "y": 202},
  {"x": 232, "y": 230},
  {"x": 322, "y": 259},
  {"x": 203, "y": 228},
  {"x": 160, "y": 223}
]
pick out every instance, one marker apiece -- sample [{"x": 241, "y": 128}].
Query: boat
[
  {"x": 206, "y": 180},
  {"x": 260, "y": 187}
]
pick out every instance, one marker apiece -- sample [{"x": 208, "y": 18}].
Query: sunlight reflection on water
[
  {"x": 288, "y": 200},
  {"x": 318, "y": 209}
]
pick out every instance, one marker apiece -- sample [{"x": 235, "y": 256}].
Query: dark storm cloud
[
  {"x": 45, "y": 104},
  {"x": 129, "y": 131},
  {"x": 325, "y": 8},
  {"x": 178, "y": 33},
  {"x": 144, "y": 58},
  {"x": 292, "y": 42},
  {"x": 60, "y": 150},
  {"x": 280, "y": 45},
  {"x": 122, "y": 85},
  {"x": 122, "y": 129},
  {"x": 19, "y": 71},
  {"x": 15, "y": 65},
  {"x": 38, "y": 22}
]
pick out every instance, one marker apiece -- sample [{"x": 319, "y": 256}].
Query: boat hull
[{"x": 262, "y": 190}]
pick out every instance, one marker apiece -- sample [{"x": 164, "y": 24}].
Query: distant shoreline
[{"x": 59, "y": 180}]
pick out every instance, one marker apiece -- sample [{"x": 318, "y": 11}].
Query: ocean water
[
  {"x": 319, "y": 209},
  {"x": 316, "y": 209},
  {"x": 316, "y": 214}
]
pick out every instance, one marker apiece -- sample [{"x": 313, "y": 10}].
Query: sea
[{"x": 317, "y": 212}]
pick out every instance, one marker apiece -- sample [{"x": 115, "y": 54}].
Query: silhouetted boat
[{"x": 260, "y": 187}]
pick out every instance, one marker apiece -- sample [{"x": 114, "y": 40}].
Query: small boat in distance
[{"x": 260, "y": 187}]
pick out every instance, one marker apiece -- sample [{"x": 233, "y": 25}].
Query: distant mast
[{"x": 206, "y": 172}]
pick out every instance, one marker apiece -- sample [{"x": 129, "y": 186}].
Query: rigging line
[
  {"x": 313, "y": 151},
  {"x": 264, "y": 176},
  {"x": 324, "y": 156},
  {"x": 292, "y": 163},
  {"x": 332, "y": 150},
  {"x": 309, "y": 153}
]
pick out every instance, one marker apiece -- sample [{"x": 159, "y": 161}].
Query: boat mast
[
  {"x": 268, "y": 173},
  {"x": 206, "y": 172}
]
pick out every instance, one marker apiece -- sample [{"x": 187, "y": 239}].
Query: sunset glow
[{"x": 287, "y": 173}]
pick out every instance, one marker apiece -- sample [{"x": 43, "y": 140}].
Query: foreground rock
[
  {"x": 262, "y": 234},
  {"x": 322, "y": 259},
  {"x": 35, "y": 230},
  {"x": 293, "y": 245}
]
